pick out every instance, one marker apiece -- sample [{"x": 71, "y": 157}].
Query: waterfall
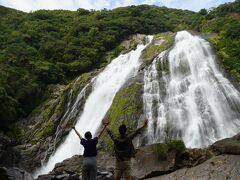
[
  {"x": 105, "y": 86},
  {"x": 187, "y": 97}
]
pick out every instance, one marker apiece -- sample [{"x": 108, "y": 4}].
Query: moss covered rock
[
  {"x": 126, "y": 108},
  {"x": 127, "y": 105},
  {"x": 161, "y": 42},
  {"x": 51, "y": 121},
  {"x": 124, "y": 47}
]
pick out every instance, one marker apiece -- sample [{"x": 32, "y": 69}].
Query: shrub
[
  {"x": 177, "y": 145},
  {"x": 162, "y": 150}
]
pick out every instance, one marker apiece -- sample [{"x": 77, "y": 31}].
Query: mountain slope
[{"x": 50, "y": 47}]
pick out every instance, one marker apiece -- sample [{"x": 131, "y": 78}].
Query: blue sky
[{"x": 31, "y": 5}]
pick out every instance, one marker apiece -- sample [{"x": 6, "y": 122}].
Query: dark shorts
[{"x": 123, "y": 169}]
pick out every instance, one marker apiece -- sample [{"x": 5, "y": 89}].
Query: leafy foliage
[
  {"x": 49, "y": 47},
  {"x": 45, "y": 47},
  {"x": 170, "y": 145},
  {"x": 225, "y": 21}
]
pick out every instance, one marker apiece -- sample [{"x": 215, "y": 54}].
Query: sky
[{"x": 32, "y": 5}]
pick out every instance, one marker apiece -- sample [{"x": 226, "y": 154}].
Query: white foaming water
[
  {"x": 105, "y": 86},
  {"x": 189, "y": 96}
]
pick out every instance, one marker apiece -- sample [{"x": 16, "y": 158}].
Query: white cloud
[{"x": 28, "y": 5}]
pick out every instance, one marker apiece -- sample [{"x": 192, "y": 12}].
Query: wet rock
[
  {"x": 192, "y": 157},
  {"x": 14, "y": 174},
  {"x": 228, "y": 145},
  {"x": 70, "y": 166},
  {"x": 9, "y": 155},
  {"x": 132, "y": 43},
  {"x": 153, "y": 164},
  {"x": 45, "y": 177}
]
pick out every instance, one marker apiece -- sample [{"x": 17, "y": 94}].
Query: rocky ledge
[{"x": 218, "y": 161}]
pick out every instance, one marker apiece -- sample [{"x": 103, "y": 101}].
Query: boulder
[
  {"x": 70, "y": 169},
  {"x": 59, "y": 177},
  {"x": 9, "y": 155},
  {"x": 70, "y": 166},
  {"x": 14, "y": 174},
  {"x": 227, "y": 146},
  {"x": 148, "y": 163},
  {"x": 219, "y": 168}
]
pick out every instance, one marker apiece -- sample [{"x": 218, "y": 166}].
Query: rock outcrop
[
  {"x": 149, "y": 163},
  {"x": 220, "y": 167},
  {"x": 9, "y": 155},
  {"x": 48, "y": 125},
  {"x": 14, "y": 174},
  {"x": 227, "y": 146},
  {"x": 70, "y": 169}
]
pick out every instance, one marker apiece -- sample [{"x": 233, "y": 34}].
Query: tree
[{"x": 203, "y": 12}]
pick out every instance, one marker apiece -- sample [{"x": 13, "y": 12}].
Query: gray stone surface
[
  {"x": 220, "y": 167},
  {"x": 14, "y": 174},
  {"x": 228, "y": 145}
]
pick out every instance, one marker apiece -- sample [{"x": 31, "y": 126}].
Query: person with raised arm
[
  {"x": 124, "y": 150},
  {"x": 89, "y": 166}
]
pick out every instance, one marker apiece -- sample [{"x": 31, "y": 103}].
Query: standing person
[
  {"x": 124, "y": 150},
  {"x": 89, "y": 167}
]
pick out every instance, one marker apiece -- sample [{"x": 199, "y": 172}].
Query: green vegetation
[
  {"x": 48, "y": 115},
  {"x": 45, "y": 47},
  {"x": 170, "y": 145},
  {"x": 80, "y": 82},
  {"x": 162, "y": 150},
  {"x": 225, "y": 22},
  {"x": 162, "y": 41},
  {"x": 47, "y": 130},
  {"x": 126, "y": 108}
]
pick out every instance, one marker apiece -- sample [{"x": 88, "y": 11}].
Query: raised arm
[
  {"x": 105, "y": 124},
  {"x": 77, "y": 133},
  {"x": 103, "y": 129},
  {"x": 138, "y": 131}
]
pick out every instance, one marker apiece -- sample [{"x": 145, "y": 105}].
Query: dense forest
[{"x": 45, "y": 47}]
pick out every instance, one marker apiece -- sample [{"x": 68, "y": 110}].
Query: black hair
[
  {"x": 122, "y": 129},
  {"x": 88, "y": 135}
]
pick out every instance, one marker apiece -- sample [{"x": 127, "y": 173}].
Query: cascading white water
[
  {"x": 185, "y": 93},
  {"x": 153, "y": 106},
  {"x": 105, "y": 86},
  {"x": 72, "y": 111}
]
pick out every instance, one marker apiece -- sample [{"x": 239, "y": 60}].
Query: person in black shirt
[{"x": 89, "y": 167}]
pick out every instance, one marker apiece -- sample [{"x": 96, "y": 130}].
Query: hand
[{"x": 106, "y": 123}]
